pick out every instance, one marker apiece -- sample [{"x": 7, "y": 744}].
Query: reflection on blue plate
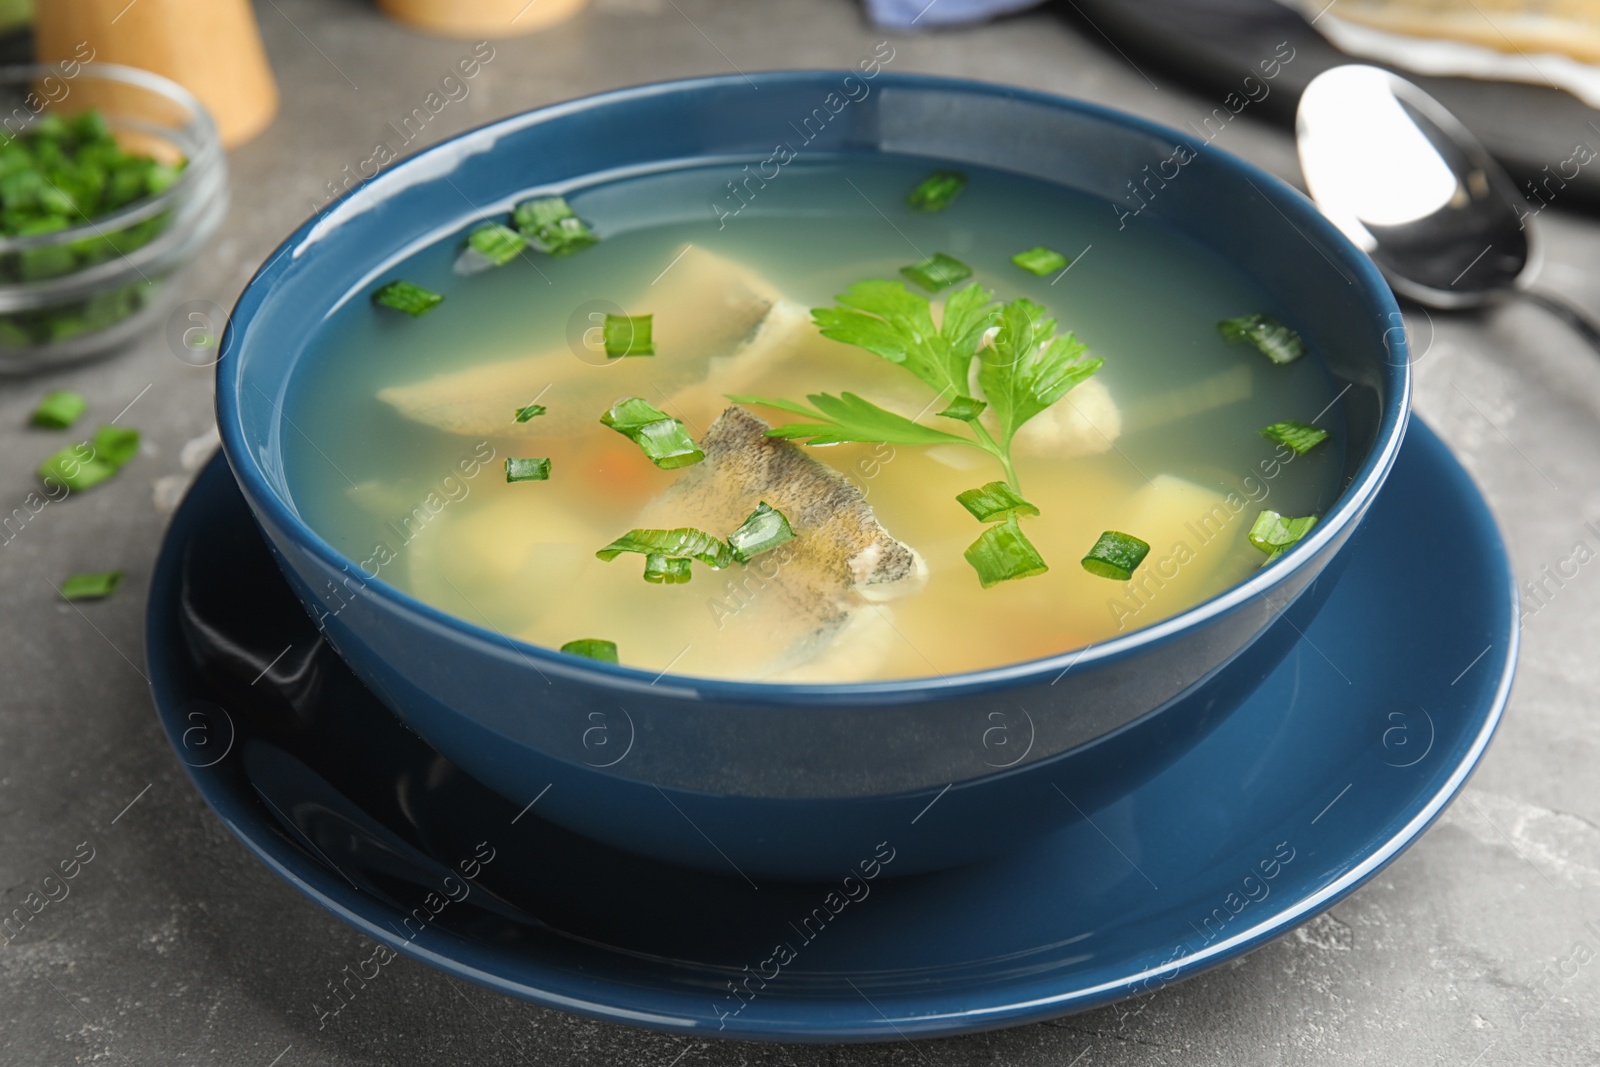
[{"x": 1340, "y": 760}]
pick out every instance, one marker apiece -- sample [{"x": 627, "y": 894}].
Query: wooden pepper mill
[
  {"x": 481, "y": 18},
  {"x": 210, "y": 47}
]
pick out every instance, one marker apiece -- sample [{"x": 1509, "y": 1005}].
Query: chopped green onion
[
  {"x": 938, "y": 271},
  {"x": 937, "y": 190},
  {"x": 59, "y": 409},
  {"x": 550, "y": 226},
  {"x": 116, "y": 444},
  {"x": 497, "y": 243},
  {"x": 1272, "y": 533},
  {"x": 1300, "y": 436},
  {"x": 666, "y": 570},
  {"x": 414, "y": 300},
  {"x": 1041, "y": 260},
  {"x": 527, "y": 470},
  {"x": 91, "y": 586},
  {"x": 662, "y": 438},
  {"x": 995, "y": 501},
  {"x": 682, "y": 543},
  {"x": 628, "y": 335},
  {"x": 1004, "y": 553},
  {"x": 1116, "y": 556},
  {"x": 532, "y": 410},
  {"x": 77, "y": 467},
  {"x": 87, "y": 464},
  {"x": 764, "y": 530},
  {"x": 592, "y": 648},
  {"x": 965, "y": 408},
  {"x": 1272, "y": 338}
]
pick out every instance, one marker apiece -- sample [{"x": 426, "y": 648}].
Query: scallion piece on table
[
  {"x": 666, "y": 570},
  {"x": 995, "y": 501},
  {"x": 592, "y": 648},
  {"x": 628, "y": 335},
  {"x": 1116, "y": 556},
  {"x": 116, "y": 445},
  {"x": 1269, "y": 336},
  {"x": 497, "y": 243},
  {"x": 1300, "y": 436},
  {"x": 1003, "y": 553},
  {"x": 965, "y": 408},
  {"x": 77, "y": 467},
  {"x": 87, "y": 464},
  {"x": 662, "y": 438},
  {"x": 59, "y": 409},
  {"x": 938, "y": 271},
  {"x": 1041, "y": 260},
  {"x": 91, "y": 586},
  {"x": 937, "y": 190},
  {"x": 527, "y": 470},
  {"x": 414, "y": 300},
  {"x": 529, "y": 412},
  {"x": 764, "y": 530},
  {"x": 550, "y": 225},
  {"x": 1273, "y": 533}
]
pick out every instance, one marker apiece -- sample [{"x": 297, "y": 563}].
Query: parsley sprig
[{"x": 1024, "y": 367}]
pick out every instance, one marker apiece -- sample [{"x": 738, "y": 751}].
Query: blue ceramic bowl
[{"x": 764, "y": 780}]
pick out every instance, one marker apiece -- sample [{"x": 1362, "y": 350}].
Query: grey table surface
[{"x": 175, "y": 946}]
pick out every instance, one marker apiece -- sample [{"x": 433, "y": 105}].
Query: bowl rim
[{"x": 1298, "y": 209}]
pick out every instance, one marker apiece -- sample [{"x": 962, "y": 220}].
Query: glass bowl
[{"x": 81, "y": 291}]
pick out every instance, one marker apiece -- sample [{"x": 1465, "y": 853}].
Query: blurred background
[{"x": 153, "y": 153}]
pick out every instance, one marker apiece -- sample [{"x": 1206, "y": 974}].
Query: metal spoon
[{"x": 1416, "y": 191}]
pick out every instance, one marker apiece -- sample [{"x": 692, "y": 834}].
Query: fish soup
[{"x": 863, "y": 421}]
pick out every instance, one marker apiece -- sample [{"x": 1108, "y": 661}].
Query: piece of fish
[
  {"x": 704, "y": 308},
  {"x": 841, "y": 564}
]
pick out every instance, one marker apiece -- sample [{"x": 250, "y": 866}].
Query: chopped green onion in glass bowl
[{"x": 111, "y": 180}]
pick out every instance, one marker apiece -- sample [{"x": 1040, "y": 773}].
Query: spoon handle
[{"x": 1581, "y": 322}]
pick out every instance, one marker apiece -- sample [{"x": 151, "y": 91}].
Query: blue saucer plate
[{"x": 1337, "y": 763}]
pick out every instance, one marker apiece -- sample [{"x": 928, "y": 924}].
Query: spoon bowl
[{"x": 1411, "y": 186}]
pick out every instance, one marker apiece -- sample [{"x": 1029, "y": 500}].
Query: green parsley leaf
[
  {"x": 1270, "y": 337},
  {"x": 848, "y": 417},
  {"x": 764, "y": 530},
  {"x": 59, "y": 409},
  {"x": 550, "y": 226},
  {"x": 997, "y": 500},
  {"x": 1116, "y": 556},
  {"x": 1028, "y": 367},
  {"x": 937, "y": 190},
  {"x": 414, "y": 300},
  {"x": 91, "y": 586},
  {"x": 890, "y": 321},
  {"x": 497, "y": 243},
  {"x": 1300, "y": 436},
  {"x": 1003, "y": 553},
  {"x": 938, "y": 271},
  {"x": 965, "y": 408},
  {"x": 592, "y": 648},
  {"x": 1041, "y": 260},
  {"x": 662, "y": 438},
  {"x": 682, "y": 543},
  {"x": 531, "y": 411},
  {"x": 1272, "y": 533},
  {"x": 527, "y": 470},
  {"x": 628, "y": 335}
]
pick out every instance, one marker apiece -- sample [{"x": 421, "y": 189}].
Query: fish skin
[{"x": 841, "y": 562}]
